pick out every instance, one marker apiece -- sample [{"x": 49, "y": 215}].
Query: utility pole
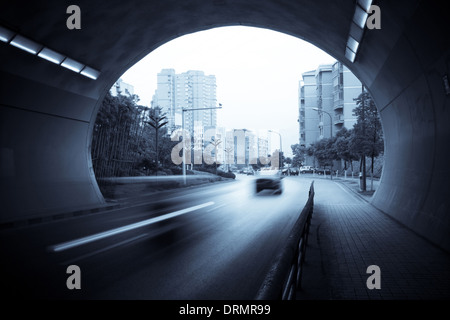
[
  {"x": 280, "y": 165},
  {"x": 363, "y": 185},
  {"x": 320, "y": 111}
]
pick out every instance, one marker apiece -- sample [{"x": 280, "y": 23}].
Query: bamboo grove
[{"x": 124, "y": 143}]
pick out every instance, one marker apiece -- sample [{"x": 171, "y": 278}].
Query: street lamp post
[
  {"x": 184, "y": 136},
  {"x": 331, "y": 135},
  {"x": 281, "y": 148},
  {"x": 331, "y": 120},
  {"x": 246, "y": 147}
]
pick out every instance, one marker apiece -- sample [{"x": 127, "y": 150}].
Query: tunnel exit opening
[{"x": 314, "y": 105}]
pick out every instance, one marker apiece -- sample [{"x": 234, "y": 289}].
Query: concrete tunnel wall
[{"x": 47, "y": 112}]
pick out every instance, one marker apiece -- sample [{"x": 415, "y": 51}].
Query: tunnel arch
[{"x": 47, "y": 112}]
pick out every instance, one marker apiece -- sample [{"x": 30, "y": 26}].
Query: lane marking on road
[
  {"x": 215, "y": 208},
  {"x": 90, "y": 254},
  {"x": 78, "y": 242}
]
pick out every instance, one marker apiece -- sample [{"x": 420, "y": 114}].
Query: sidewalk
[
  {"x": 354, "y": 184},
  {"x": 348, "y": 234}
]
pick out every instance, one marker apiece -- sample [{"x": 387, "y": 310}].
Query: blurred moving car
[
  {"x": 269, "y": 179},
  {"x": 322, "y": 171},
  {"x": 247, "y": 171},
  {"x": 289, "y": 171},
  {"x": 306, "y": 169}
]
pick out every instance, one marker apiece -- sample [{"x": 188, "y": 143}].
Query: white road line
[
  {"x": 215, "y": 208},
  {"x": 78, "y": 242},
  {"x": 90, "y": 254}
]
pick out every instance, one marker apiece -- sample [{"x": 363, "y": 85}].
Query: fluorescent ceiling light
[
  {"x": 90, "y": 73},
  {"x": 350, "y": 55},
  {"x": 35, "y": 48},
  {"x": 51, "y": 56},
  {"x": 357, "y": 27},
  {"x": 26, "y": 44},
  {"x": 352, "y": 44},
  {"x": 72, "y": 65},
  {"x": 360, "y": 17},
  {"x": 356, "y": 32},
  {"x": 5, "y": 34},
  {"x": 365, "y": 4}
]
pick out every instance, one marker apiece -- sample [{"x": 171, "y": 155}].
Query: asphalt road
[{"x": 210, "y": 242}]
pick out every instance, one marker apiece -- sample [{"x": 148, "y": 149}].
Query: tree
[
  {"x": 311, "y": 152},
  {"x": 282, "y": 159},
  {"x": 215, "y": 143},
  {"x": 368, "y": 134},
  {"x": 325, "y": 152},
  {"x": 299, "y": 152},
  {"x": 228, "y": 157},
  {"x": 157, "y": 121},
  {"x": 117, "y": 137},
  {"x": 343, "y": 147}
]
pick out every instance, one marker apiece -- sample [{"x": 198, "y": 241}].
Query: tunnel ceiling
[
  {"x": 403, "y": 65},
  {"x": 124, "y": 34}
]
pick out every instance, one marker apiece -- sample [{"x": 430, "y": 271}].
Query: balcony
[
  {"x": 338, "y": 105},
  {"x": 339, "y": 119}
]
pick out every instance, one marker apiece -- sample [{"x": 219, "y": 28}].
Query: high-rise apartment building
[
  {"x": 346, "y": 87},
  {"x": 121, "y": 87},
  {"x": 185, "y": 91},
  {"x": 243, "y": 147},
  {"x": 326, "y": 102},
  {"x": 308, "y": 118}
]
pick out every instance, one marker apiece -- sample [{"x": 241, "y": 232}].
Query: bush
[
  {"x": 223, "y": 174},
  {"x": 206, "y": 169},
  {"x": 176, "y": 170}
]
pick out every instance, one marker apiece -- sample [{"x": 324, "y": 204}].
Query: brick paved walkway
[{"x": 348, "y": 235}]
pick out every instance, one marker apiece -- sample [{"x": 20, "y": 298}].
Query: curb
[
  {"x": 55, "y": 217},
  {"x": 366, "y": 199}
]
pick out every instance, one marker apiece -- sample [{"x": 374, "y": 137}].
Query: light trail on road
[{"x": 78, "y": 242}]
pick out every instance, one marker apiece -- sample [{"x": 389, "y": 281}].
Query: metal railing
[{"x": 285, "y": 275}]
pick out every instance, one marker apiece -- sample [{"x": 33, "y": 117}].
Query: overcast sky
[{"x": 257, "y": 75}]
